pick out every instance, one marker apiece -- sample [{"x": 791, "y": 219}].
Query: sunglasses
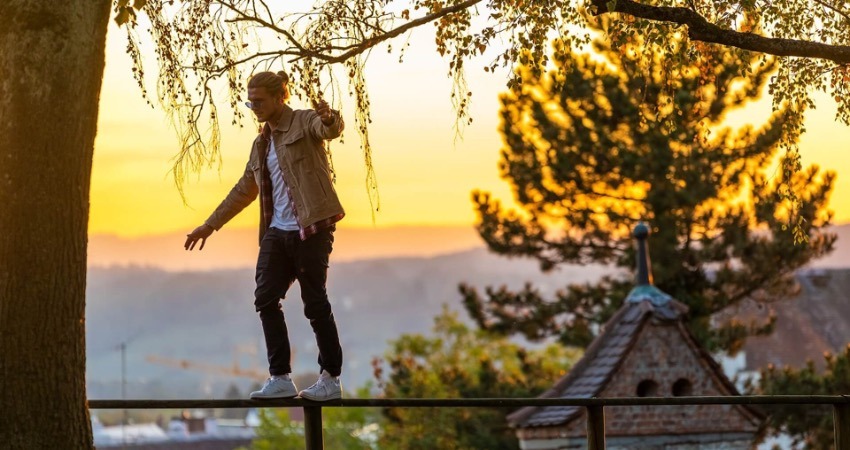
[{"x": 255, "y": 104}]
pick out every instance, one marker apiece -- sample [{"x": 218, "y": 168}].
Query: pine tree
[{"x": 637, "y": 133}]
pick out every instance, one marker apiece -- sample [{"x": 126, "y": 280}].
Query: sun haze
[{"x": 425, "y": 175}]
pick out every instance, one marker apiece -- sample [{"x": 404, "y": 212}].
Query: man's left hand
[{"x": 325, "y": 112}]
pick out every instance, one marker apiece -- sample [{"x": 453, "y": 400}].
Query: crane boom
[{"x": 186, "y": 364}]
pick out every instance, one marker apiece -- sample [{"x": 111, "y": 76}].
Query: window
[
  {"x": 647, "y": 388},
  {"x": 682, "y": 387}
]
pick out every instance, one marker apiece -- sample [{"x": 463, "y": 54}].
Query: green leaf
[{"x": 611, "y": 5}]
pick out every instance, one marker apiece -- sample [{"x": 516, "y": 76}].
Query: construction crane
[{"x": 254, "y": 373}]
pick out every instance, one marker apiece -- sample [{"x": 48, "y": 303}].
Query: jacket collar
[{"x": 283, "y": 124}]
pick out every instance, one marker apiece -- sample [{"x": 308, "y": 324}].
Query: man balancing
[{"x": 288, "y": 169}]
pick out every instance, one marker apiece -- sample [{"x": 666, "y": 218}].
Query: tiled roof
[
  {"x": 606, "y": 353},
  {"x": 602, "y": 358},
  {"x": 809, "y": 323}
]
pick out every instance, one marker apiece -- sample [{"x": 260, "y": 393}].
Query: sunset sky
[{"x": 425, "y": 175}]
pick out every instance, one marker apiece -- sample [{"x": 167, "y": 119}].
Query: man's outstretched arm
[
  {"x": 242, "y": 194},
  {"x": 327, "y": 123}
]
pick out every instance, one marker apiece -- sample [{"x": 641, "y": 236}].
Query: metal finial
[
  {"x": 644, "y": 268},
  {"x": 645, "y": 291}
]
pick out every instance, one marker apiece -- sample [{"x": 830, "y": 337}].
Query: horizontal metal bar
[{"x": 476, "y": 402}]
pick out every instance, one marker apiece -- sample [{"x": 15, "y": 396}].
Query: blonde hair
[{"x": 276, "y": 84}]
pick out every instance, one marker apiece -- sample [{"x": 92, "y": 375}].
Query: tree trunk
[{"x": 51, "y": 66}]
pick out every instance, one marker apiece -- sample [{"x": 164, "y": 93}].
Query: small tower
[{"x": 644, "y": 350}]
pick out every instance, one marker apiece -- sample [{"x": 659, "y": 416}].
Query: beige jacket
[{"x": 299, "y": 138}]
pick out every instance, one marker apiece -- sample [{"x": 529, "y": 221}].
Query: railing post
[
  {"x": 841, "y": 417},
  {"x": 596, "y": 428},
  {"x": 313, "y": 427}
]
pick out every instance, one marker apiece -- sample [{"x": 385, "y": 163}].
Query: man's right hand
[{"x": 198, "y": 234}]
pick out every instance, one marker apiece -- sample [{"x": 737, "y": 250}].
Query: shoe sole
[
  {"x": 272, "y": 397},
  {"x": 316, "y": 399}
]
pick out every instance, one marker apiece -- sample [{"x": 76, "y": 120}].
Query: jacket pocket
[{"x": 293, "y": 136}]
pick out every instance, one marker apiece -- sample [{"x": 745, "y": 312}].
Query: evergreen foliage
[{"x": 638, "y": 133}]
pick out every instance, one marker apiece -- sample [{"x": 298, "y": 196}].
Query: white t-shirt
[{"x": 283, "y": 217}]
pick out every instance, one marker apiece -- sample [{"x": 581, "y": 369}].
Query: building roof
[
  {"x": 814, "y": 320},
  {"x": 600, "y": 361},
  {"x": 606, "y": 353}
]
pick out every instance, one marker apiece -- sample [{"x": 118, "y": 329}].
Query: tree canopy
[
  {"x": 343, "y": 428},
  {"x": 813, "y": 425},
  {"x": 457, "y": 361},
  {"x": 612, "y": 138},
  {"x": 200, "y": 42}
]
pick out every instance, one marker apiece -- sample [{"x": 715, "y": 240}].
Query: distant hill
[{"x": 204, "y": 316}]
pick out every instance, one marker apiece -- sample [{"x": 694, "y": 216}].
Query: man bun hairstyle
[{"x": 276, "y": 84}]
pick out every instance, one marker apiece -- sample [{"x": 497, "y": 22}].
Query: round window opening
[
  {"x": 647, "y": 388},
  {"x": 682, "y": 387}
]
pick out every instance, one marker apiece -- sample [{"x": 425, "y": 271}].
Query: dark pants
[{"x": 284, "y": 258}]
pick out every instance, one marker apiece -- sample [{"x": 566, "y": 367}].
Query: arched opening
[
  {"x": 647, "y": 388},
  {"x": 682, "y": 387}
]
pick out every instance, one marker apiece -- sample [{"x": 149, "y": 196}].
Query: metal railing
[{"x": 595, "y": 408}]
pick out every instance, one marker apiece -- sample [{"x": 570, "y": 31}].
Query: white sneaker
[
  {"x": 326, "y": 388},
  {"x": 276, "y": 387}
]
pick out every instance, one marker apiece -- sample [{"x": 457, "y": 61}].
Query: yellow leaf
[{"x": 123, "y": 16}]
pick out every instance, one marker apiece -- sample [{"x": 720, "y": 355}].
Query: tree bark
[{"x": 51, "y": 67}]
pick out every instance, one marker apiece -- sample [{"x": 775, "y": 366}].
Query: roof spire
[
  {"x": 644, "y": 289},
  {"x": 644, "y": 267}
]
